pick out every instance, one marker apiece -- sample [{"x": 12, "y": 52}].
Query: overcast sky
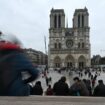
[{"x": 29, "y": 20}]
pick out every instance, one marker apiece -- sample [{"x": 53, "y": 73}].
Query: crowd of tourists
[{"x": 80, "y": 86}]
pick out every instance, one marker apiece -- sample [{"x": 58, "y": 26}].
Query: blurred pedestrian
[{"x": 13, "y": 61}]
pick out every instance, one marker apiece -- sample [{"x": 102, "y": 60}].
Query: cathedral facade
[{"x": 69, "y": 47}]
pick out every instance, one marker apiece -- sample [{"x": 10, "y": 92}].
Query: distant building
[
  {"x": 37, "y": 57},
  {"x": 95, "y": 61},
  {"x": 69, "y": 47},
  {"x": 98, "y": 61}
]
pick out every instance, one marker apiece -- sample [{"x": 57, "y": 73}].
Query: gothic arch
[
  {"x": 81, "y": 62},
  {"x": 69, "y": 61},
  {"x": 57, "y": 62}
]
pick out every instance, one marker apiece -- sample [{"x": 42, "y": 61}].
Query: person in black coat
[
  {"x": 37, "y": 89},
  {"x": 13, "y": 61},
  {"x": 61, "y": 87},
  {"x": 99, "y": 89}
]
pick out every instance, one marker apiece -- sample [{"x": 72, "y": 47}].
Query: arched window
[
  {"x": 55, "y": 21},
  {"x": 55, "y": 45},
  {"x": 79, "y": 45},
  {"x": 82, "y": 20},
  {"x": 83, "y": 45},
  {"x": 59, "y": 45},
  {"x": 78, "y": 20},
  {"x": 59, "y": 21}
]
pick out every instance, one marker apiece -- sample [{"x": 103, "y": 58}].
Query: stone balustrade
[{"x": 51, "y": 100}]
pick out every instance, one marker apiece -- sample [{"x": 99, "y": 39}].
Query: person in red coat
[{"x": 49, "y": 90}]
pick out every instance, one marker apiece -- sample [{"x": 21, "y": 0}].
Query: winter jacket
[
  {"x": 37, "y": 90},
  {"x": 83, "y": 89},
  {"x": 61, "y": 88},
  {"x": 74, "y": 90},
  {"x": 99, "y": 90},
  {"x": 13, "y": 62},
  {"x": 79, "y": 89},
  {"x": 49, "y": 91}
]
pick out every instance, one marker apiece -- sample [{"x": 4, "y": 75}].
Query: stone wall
[{"x": 52, "y": 100}]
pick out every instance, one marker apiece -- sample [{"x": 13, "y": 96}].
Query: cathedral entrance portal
[
  {"x": 57, "y": 62},
  {"x": 81, "y": 62},
  {"x": 69, "y": 61},
  {"x": 69, "y": 64}
]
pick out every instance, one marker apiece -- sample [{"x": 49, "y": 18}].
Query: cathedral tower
[
  {"x": 80, "y": 19},
  {"x": 57, "y": 18}
]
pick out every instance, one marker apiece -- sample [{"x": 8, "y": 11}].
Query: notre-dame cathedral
[{"x": 69, "y": 47}]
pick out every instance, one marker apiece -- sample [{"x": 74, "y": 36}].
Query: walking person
[
  {"x": 47, "y": 81},
  {"x": 13, "y": 61}
]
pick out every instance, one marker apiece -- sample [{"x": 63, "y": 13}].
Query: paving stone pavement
[{"x": 52, "y": 100}]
